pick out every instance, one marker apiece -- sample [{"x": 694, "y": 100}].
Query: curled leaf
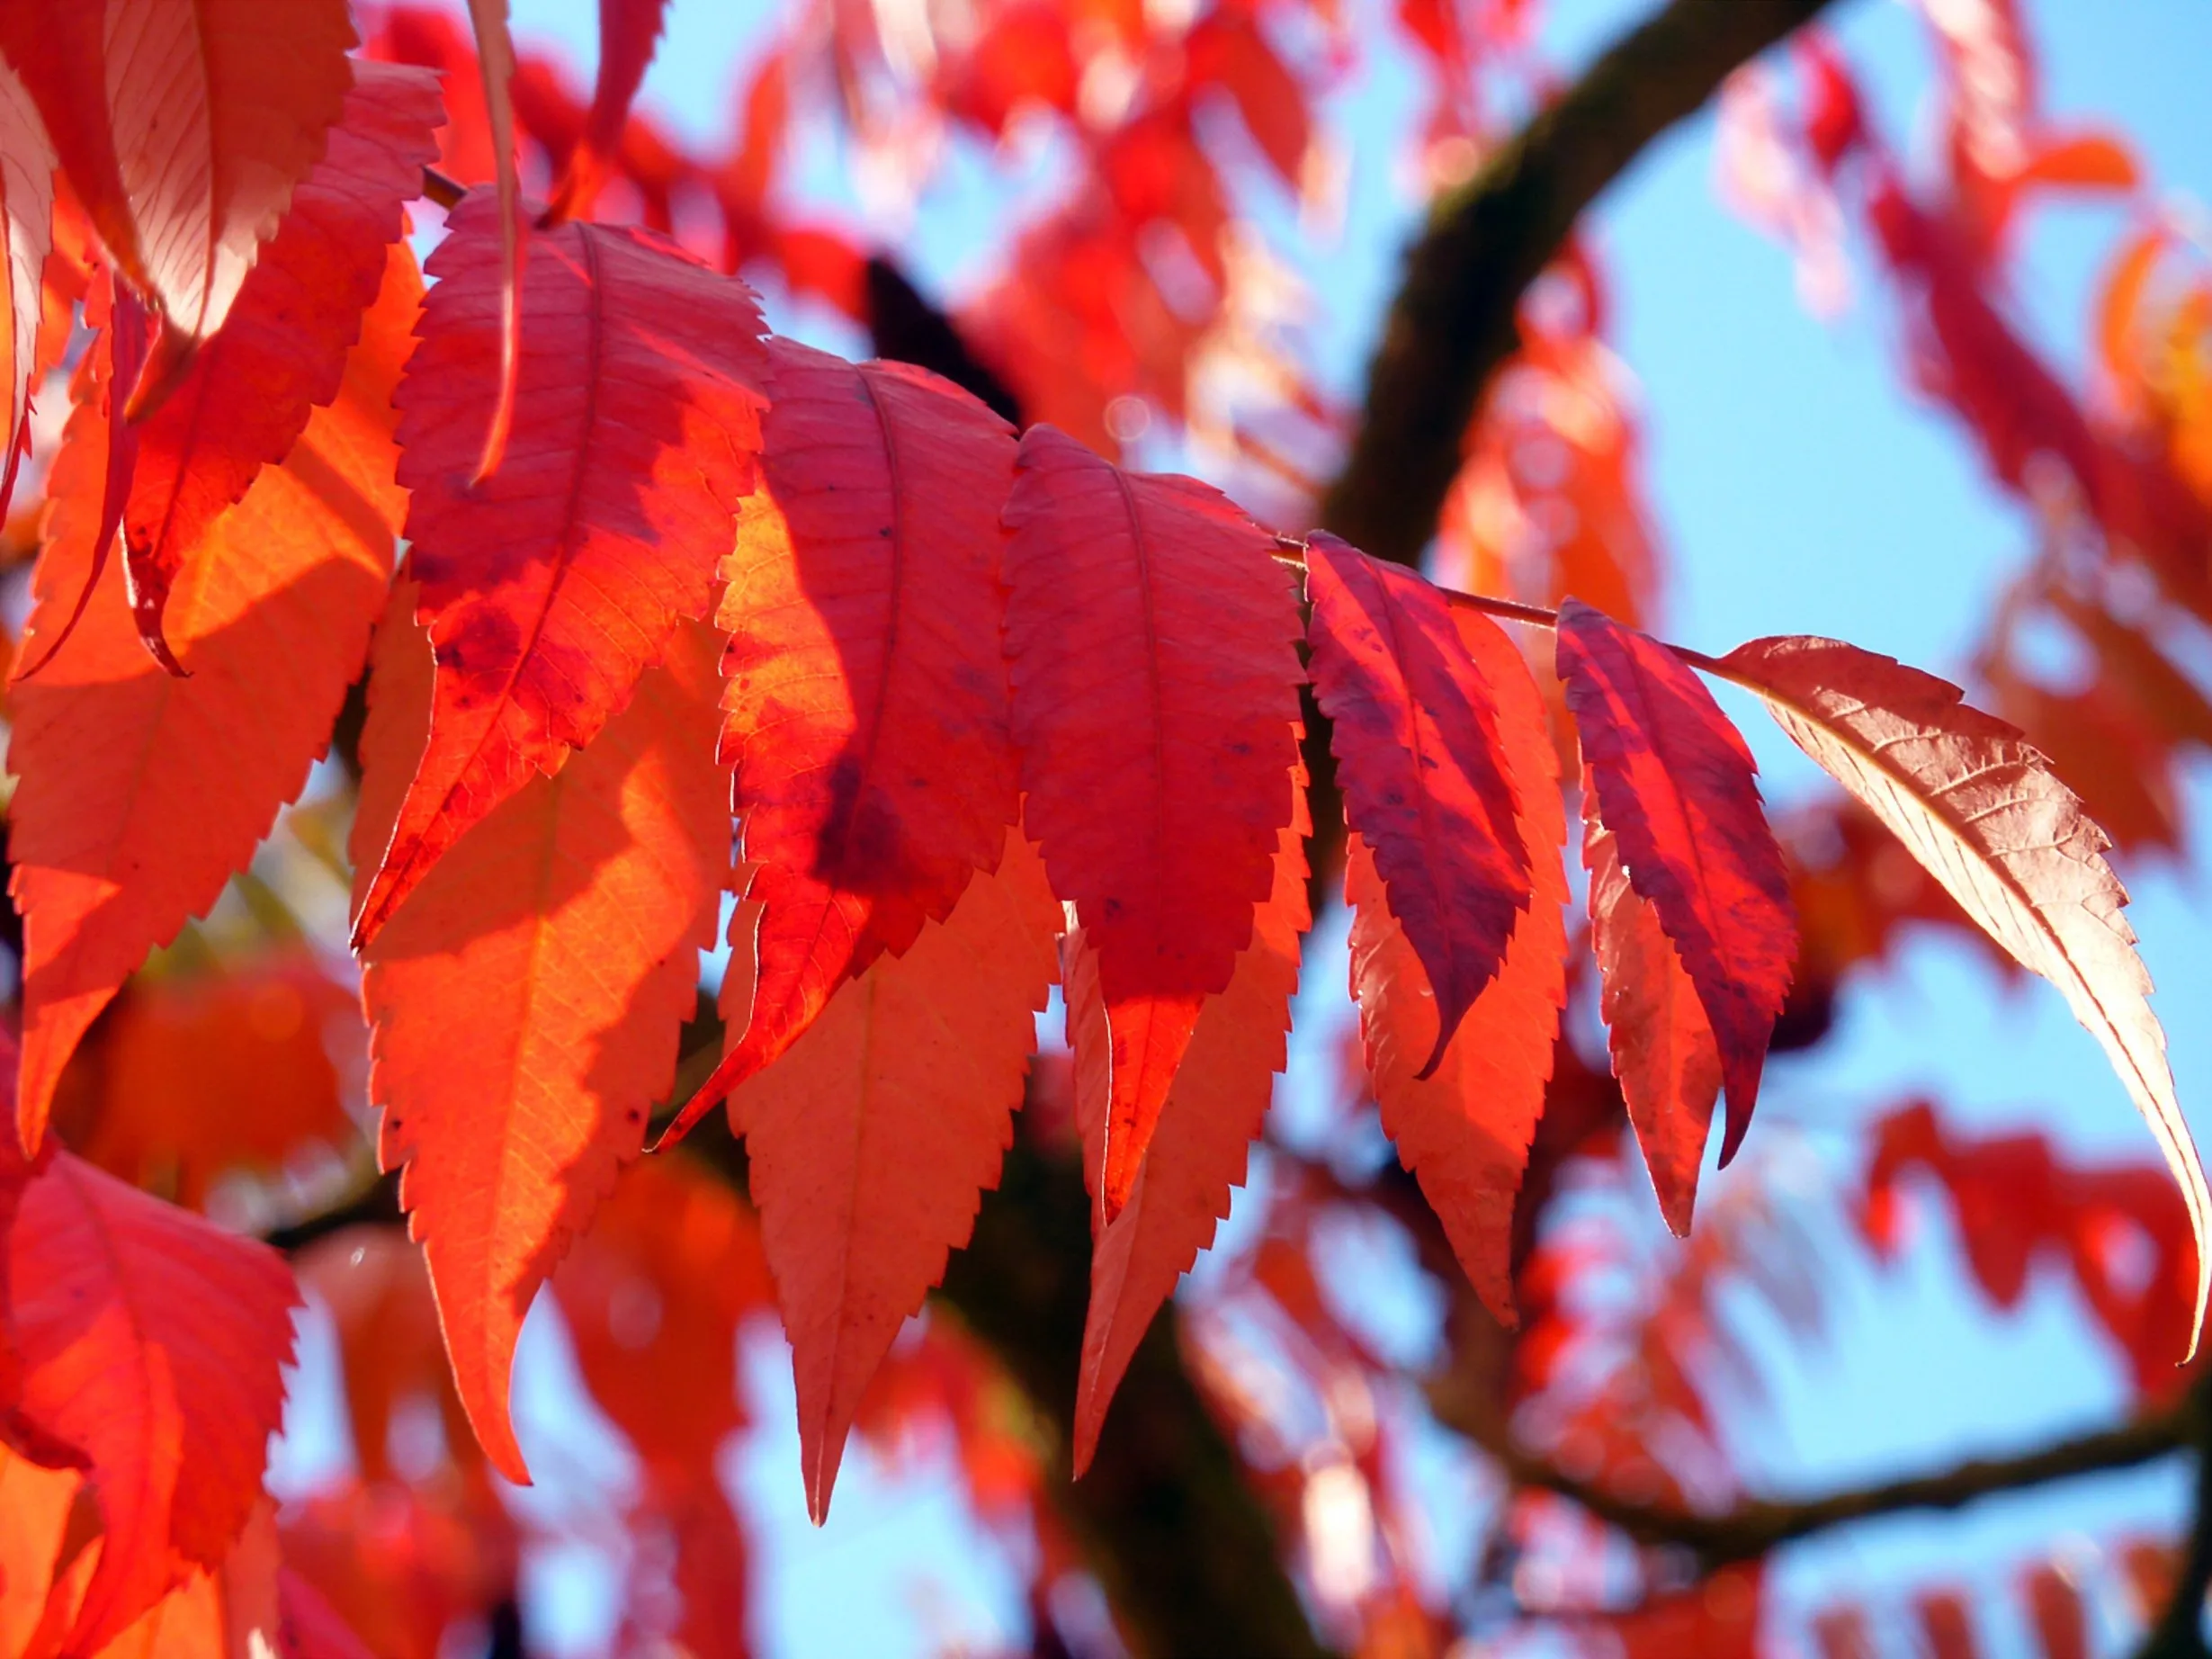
[{"x": 1972, "y": 799}]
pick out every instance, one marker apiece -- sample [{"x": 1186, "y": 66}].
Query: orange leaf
[
  {"x": 550, "y": 586},
  {"x": 1464, "y": 1129},
  {"x": 1212, "y": 1111},
  {"x": 1975, "y": 803},
  {"x": 228, "y": 1612},
  {"x": 141, "y": 793},
  {"x": 874, "y": 1135},
  {"x": 152, "y": 1345},
  {"x": 183, "y": 130},
  {"x": 1152, "y": 640},
  {"x": 867, "y": 693},
  {"x": 34, "y": 1517},
  {"x": 527, "y": 998},
  {"x": 206, "y": 1073}
]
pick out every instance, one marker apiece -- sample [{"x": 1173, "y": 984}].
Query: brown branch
[
  {"x": 1452, "y": 322},
  {"x": 1752, "y": 1529},
  {"x": 2179, "y": 1633}
]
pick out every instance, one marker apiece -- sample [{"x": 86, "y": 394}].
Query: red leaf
[
  {"x": 26, "y": 233},
  {"x": 1663, "y": 1046},
  {"x": 549, "y": 587},
  {"x": 1975, "y": 803},
  {"x": 527, "y": 998},
  {"x": 628, "y": 29},
  {"x": 867, "y": 695},
  {"x": 1464, "y": 1128},
  {"x": 283, "y": 352},
  {"x": 875, "y": 1135},
  {"x": 1151, "y": 638},
  {"x": 1212, "y": 1111},
  {"x": 152, "y": 1344},
  {"x": 183, "y": 130},
  {"x": 1673, "y": 781},
  {"x": 141, "y": 793},
  {"x": 1417, "y": 746}
]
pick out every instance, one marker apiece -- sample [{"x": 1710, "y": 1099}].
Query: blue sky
[{"x": 1799, "y": 487}]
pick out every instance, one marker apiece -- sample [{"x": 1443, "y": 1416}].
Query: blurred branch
[
  {"x": 1751, "y": 1529},
  {"x": 1453, "y": 321},
  {"x": 2179, "y": 1631}
]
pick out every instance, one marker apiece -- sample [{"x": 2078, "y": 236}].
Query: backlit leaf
[
  {"x": 1213, "y": 1110},
  {"x": 1415, "y": 733},
  {"x": 1151, "y": 638},
  {"x": 183, "y": 129},
  {"x": 139, "y": 793},
  {"x": 1674, "y": 783},
  {"x": 152, "y": 1345},
  {"x": 1464, "y": 1127},
  {"x": 550, "y": 587},
  {"x": 867, "y": 699},
  {"x": 873, "y": 1137},
  {"x": 282, "y": 350},
  {"x": 26, "y": 232},
  {"x": 1662, "y": 1043},
  {"x": 1975, "y": 803},
  {"x": 526, "y": 999}
]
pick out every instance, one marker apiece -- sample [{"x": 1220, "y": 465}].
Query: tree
[{"x": 607, "y": 604}]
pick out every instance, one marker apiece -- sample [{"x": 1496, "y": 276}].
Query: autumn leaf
[
  {"x": 1661, "y": 1043},
  {"x": 1674, "y": 783},
  {"x": 1151, "y": 636},
  {"x": 658, "y": 1288},
  {"x": 152, "y": 1345},
  {"x": 282, "y": 350},
  {"x": 551, "y": 586},
  {"x": 35, "y": 1503},
  {"x": 1464, "y": 1125},
  {"x": 121, "y": 332},
  {"x": 867, "y": 699},
  {"x": 1415, "y": 734},
  {"x": 26, "y": 233},
  {"x": 628, "y": 29},
  {"x": 200, "y": 1074},
  {"x": 875, "y": 1135},
  {"x": 527, "y": 998},
  {"x": 230, "y": 1611},
  {"x": 1976, "y": 803},
  {"x": 1213, "y": 1112},
  {"x": 139, "y": 794},
  {"x": 183, "y": 130}
]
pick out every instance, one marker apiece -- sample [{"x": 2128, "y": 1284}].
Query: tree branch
[
  {"x": 1452, "y": 322},
  {"x": 1753, "y": 1528}
]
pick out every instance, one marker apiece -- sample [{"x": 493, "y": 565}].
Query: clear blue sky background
[{"x": 1800, "y": 489}]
